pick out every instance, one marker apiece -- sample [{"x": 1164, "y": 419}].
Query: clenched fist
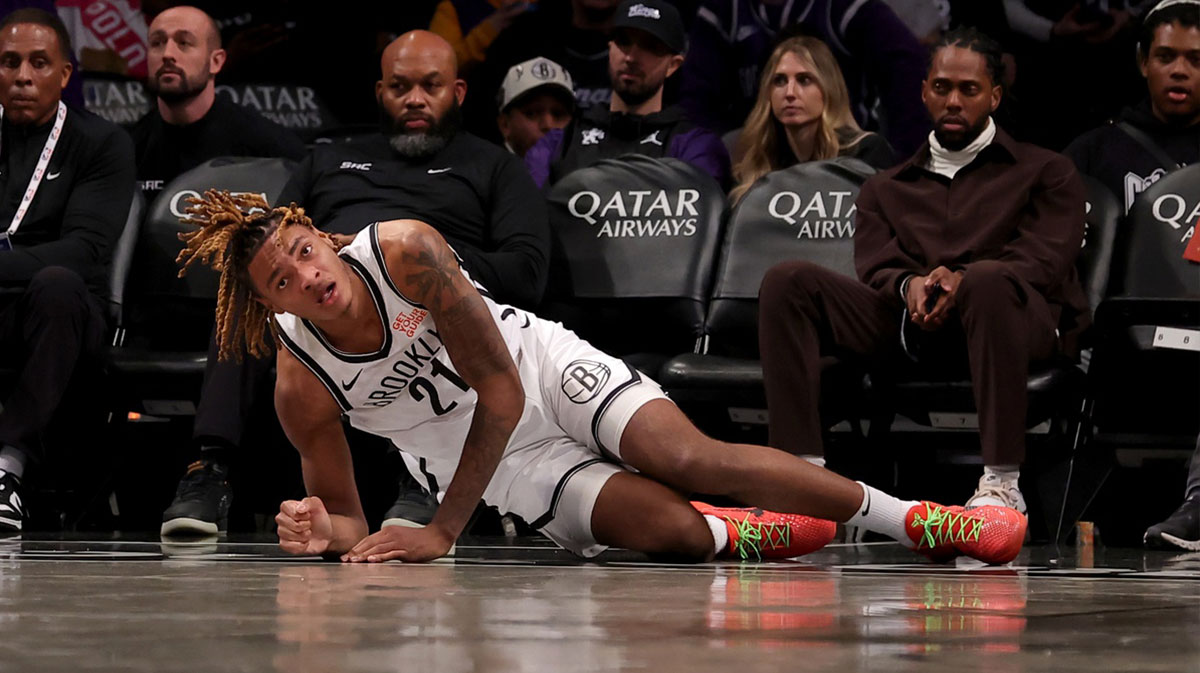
[{"x": 304, "y": 526}]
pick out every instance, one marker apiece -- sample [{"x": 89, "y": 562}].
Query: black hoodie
[{"x": 1124, "y": 165}]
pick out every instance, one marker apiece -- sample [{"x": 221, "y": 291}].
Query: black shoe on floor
[
  {"x": 1181, "y": 529},
  {"x": 413, "y": 508},
  {"x": 12, "y": 510},
  {"x": 201, "y": 505}
]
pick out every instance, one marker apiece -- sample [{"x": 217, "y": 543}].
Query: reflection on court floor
[{"x": 219, "y": 605}]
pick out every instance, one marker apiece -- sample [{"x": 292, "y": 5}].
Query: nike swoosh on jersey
[
  {"x": 51, "y": 176},
  {"x": 347, "y": 386}
]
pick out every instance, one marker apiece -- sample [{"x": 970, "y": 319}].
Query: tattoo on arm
[{"x": 431, "y": 268}]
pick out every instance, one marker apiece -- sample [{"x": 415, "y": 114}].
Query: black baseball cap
[{"x": 657, "y": 17}]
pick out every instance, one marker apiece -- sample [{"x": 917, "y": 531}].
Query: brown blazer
[{"x": 1015, "y": 203}]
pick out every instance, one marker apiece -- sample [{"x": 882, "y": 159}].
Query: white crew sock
[
  {"x": 819, "y": 461},
  {"x": 883, "y": 513},
  {"x": 720, "y": 533},
  {"x": 1005, "y": 473}
]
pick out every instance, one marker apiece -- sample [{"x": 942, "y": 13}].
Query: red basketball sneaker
[
  {"x": 990, "y": 534},
  {"x": 762, "y": 534}
]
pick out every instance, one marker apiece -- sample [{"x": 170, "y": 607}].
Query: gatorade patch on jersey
[{"x": 582, "y": 380}]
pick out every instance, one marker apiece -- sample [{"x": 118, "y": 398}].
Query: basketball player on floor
[{"x": 489, "y": 401}]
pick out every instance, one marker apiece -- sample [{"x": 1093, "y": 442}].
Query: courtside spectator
[
  {"x": 966, "y": 255},
  {"x": 647, "y": 46},
  {"x": 537, "y": 96},
  {"x": 421, "y": 165},
  {"x": 882, "y": 62},
  {"x": 189, "y": 124},
  {"x": 1162, "y": 132},
  {"x": 802, "y": 114},
  {"x": 470, "y": 26},
  {"x": 424, "y": 165},
  {"x": 572, "y": 33},
  {"x": 66, "y": 183},
  {"x": 1158, "y": 136}
]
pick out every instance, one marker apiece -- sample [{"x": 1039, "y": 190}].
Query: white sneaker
[{"x": 993, "y": 490}]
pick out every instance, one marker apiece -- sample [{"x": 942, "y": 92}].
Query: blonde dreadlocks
[{"x": 232, "y": 229}]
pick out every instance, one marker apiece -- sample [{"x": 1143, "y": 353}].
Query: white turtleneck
[{"x": 948, "y": 162}]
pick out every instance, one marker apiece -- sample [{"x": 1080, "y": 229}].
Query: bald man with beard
[
  {"x": 421, "y": 165},
  {"x": 189, "y": 124}
]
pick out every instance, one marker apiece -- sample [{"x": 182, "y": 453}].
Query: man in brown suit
[{"x": 966, "y": 253}]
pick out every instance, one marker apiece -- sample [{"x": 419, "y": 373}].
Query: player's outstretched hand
[
  {"x": 411, "y": 545},
  {"x": 304, "y": 526}
]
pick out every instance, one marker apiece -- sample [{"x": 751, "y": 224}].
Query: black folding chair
[{"x": 803, "y": 212}]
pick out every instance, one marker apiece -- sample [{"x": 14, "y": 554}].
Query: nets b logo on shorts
[{"x": 583, "y": 379}]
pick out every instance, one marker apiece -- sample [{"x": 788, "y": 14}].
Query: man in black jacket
[
  {"x": 66, "y": 182},
  {"x": 477, "y": 195},
  {"x": 189, "y": 124},
  {"x": 1162, "y": 133}
]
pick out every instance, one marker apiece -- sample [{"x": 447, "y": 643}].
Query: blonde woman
[{"x": 802, "y": 114}]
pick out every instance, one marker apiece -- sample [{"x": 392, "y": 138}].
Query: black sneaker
[
  {"x": 1181, "y": 529},
  {"x": 12, "y": 510},
  {"x": 201, "y": 505},
  {"x": 414, "y": 508}
]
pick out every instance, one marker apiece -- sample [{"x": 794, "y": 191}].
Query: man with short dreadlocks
[{"x": 490, "y": 402}]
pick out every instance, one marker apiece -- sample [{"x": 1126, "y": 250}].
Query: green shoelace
[
  {"x": 942, "y": 527},
  {"x": 755, "y": 536}
]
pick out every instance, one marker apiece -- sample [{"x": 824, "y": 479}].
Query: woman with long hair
[{"x": 802, "y": 114}]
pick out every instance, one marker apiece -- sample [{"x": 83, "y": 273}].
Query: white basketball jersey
[{"x": 408, "y": 390}]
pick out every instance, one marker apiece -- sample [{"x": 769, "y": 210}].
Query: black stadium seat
[
  {"x": 1145, "y": 377},
  {"x": 1142, "y": 390},
  {"x": 1100, "y": 237},
  {"x": 122, "y": 263},
  {"x": 635, "y": 241},
  {"x": 167, "y": 319},
  {"x": 803, "y": 212}
]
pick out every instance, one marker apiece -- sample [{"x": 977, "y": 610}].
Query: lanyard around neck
[{"x": 39, "y": 171}]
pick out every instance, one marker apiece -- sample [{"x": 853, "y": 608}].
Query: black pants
[
  {"x": 235, "y": 394},
  {"x": 807, "y": 311},
  {"x": 45, "y": 333},
  {"x": 230, "y": 391},
  {"x": 1193, "y": 482}
]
